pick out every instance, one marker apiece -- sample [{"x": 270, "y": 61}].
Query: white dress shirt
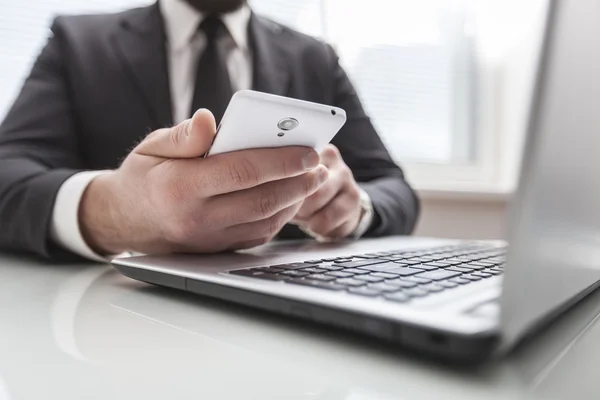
[{"x": 184, "y": 46}]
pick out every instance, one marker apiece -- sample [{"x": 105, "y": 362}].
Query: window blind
[{"x": 411, "y": 62}]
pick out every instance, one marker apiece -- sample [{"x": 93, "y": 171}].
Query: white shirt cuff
[{"x": 64, "y": 227}]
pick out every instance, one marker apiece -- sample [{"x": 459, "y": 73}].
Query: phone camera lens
[
  {"x": 287, "y": 124},
  {"x": 333, "y": 112}
]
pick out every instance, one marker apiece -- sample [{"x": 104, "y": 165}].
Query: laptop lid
[{"x": 554, "y": 257}]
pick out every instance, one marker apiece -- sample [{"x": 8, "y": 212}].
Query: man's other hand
[
  {"x": 334, "y": 211},
  {"x": 165, "y": 198}
]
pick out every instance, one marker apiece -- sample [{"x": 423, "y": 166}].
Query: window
[
  {"x": 432, "y": 74},
  {"x": 411, "y": 62},
  {"x": 446, "y": 82}
]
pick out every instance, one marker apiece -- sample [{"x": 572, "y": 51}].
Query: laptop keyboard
[{"x": 393, "y": 275}]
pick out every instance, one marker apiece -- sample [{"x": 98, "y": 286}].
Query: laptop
[{"x": 457, "y": 300}]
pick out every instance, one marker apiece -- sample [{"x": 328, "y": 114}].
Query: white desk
[{"x": 86, "y": 332}]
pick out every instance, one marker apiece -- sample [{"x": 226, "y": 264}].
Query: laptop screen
[{"x": 555, "y": 223}]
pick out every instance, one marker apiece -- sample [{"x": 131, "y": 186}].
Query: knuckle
[
  {"x": 347, "y": 173},
  {"x": 309, "y": 183},
  {"x": 243, "y": 172},
  {"x": 354, "y": 195},
  {"x": 331, "y": 152},
  {"x": 267, "y": 203},
  {"x": 329, "y": 216},
  {"x": 177, "y": 134},
  {"x": 274, "y": 225}
]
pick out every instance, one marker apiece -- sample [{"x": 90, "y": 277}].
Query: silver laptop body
[{"x": 554, "y": 254}]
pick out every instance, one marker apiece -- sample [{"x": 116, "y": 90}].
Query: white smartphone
[{"x": 260, "y": 120}]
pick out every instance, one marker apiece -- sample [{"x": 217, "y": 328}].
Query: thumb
[{"x": 190, "y": 139}]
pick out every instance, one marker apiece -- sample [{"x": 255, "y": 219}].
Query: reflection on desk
[{"x": 84, "y": 331}]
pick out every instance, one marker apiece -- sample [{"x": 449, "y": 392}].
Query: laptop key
[
  {"x": 364, "y": 291},
  {"x": 416, "y": 279},
  {"x": 408, "y": 262},
  {"x": 471, "y": 277},
  {"x": 366, "y": 256},
  {"x": 384, "y": 275},
  {"x": 460, "y": 269},
  {"x": 406, "y": 271},
  {"x": 439, "y": 264},
  {"x": 294, "y": 273},
  {"x": 432, "y": 287},
  {"x": 356, "y": 271},
  {"x": 425, "y": 267},
  {"x": 448, "y": 284},
  {"x": 383, "y": 287},
  {"x": 460, "y": 281},
  {"x": 481, "y": 274},
  {"x": 271, "y": 277},
  {"x": 317, "y": 284},
  {"x": 350, "y": 282},
  {"x": 369, "y": 278},
  {"x": 330, "y": 267},
  {"x": 483, "y": 264},
  {"x": 322, "y": 277},
  {"x": 492, "y": 271},
  {"x": 400, "y": 297},
  {"x": 339, "y": 274},
  {"x": 416, "y": 292},
  {"x": 359, "y": 263},
  {"x": 472, "y": 266},
  {"x": 438, "y": 275},
  {"x": 401, "y": 283},
  {"x": 380, "y": 267},
  {"x": 314, "y": 270},
  {"x": 292, "y": 266}
]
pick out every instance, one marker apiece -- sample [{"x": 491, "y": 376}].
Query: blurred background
[{"x": 446, "y": 82}]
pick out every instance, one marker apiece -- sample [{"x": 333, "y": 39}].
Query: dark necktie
[{"x": 213, "y": 88}]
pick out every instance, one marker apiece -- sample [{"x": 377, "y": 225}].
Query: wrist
[{"x": 99, "y": 216}]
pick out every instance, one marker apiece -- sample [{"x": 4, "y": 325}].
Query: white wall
[{"x": 463, "y": 217}]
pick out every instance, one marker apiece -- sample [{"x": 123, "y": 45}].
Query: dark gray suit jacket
[{"x": 101, "y": 84}]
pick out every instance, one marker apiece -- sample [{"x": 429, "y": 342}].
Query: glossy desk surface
[{"x": 86, "y": 332}]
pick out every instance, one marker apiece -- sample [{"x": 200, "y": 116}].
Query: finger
[
  {"x": 336, "y": 213},
  {"x": 255, "y": 233},
  {"x": 236, "y": 171},
  {"x": 190, "y": 139},
  {"x": 344, "y": 230},
  {"x": 266, "y": 200},
  {"x": 330, "y": 155},
  {"x": 315, "y": 202}
]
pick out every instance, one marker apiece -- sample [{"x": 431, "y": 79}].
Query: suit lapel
[
  {"x": 271, "y": 70},
  {"x": 140, "y": 45}
]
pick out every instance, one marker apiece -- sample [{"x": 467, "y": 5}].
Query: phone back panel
[{"x": 251, "y": 121}]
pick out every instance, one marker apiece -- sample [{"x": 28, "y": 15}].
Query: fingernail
[
  {"x": 310, "y": 160},
  {"x": 323, "y": 174}
]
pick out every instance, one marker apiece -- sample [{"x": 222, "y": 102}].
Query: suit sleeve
[
  {"x": 38, "y": 152},
  {"x": 395, "y": 204}
]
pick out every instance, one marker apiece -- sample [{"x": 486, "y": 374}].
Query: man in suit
[{"x": 104, "y": 82}]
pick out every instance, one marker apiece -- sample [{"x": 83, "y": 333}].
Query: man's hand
[
  {"x": 165, "y": 198},
  {"x": 334, "y": 211}
]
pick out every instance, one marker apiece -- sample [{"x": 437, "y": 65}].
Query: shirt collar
[{"x": 182, "y": 21}]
